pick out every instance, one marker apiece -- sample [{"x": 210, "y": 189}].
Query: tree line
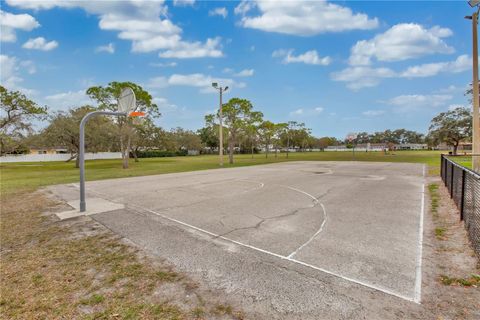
[{"x": 245, "y": 129}]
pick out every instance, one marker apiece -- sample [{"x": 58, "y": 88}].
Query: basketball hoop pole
[{"x": 81, "y": 151}]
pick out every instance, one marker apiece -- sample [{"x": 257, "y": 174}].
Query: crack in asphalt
[{"x": 263, "y": 219}]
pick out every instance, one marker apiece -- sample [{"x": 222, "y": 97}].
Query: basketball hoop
[
  {"x": 127, "y": 101},
  {"x": 137, "y": 117},
  {"x": 136, "y": 114},
  {"x": 351, "y": 137}
]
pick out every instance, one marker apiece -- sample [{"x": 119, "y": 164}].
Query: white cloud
[
  {"x": 69, "y": 99},
  {"x": 186, "y": 50},
  {"x": 183, "y": 3},
  {"x": 309, "y": 57},
  {"x": 29, "y": 66},
  {"x": 199, "y": 80},
  {"x": 221, "y": 11},
  {"x": 401, "y": 42},
  {"x": 452, "y": 89},
  {"x": 373, "y": 113},
  {"x": 303, "y": 18},
  {"x": 158, "y": 82},
  {"x": 40, "y": 44},
  {"x": 9, "y": 22},
  {"x": 362, "y": 77},
  {"x": 165, "y": 106},
  {"x": 10, "y": 75},
  {"x": 143, "y": 22},
  {"x": 412, "y": 102},
  {"x": 244, "y": 7},
  {"x": 306, "y": 112},
  {"x": 109, "y": 48},
  {"x": 9, "y": 67},
  {"x": 297, "y": 112},
  {"x": 462, "y": 63},
  {"x": 163, "y": 65},
  {"x": 245, "y": 73}
]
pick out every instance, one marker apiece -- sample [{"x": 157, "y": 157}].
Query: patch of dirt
[
  {"x": 448, "y": 255},
  {"x": 78, "y": 269}
]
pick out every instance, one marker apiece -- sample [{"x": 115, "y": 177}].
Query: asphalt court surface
[{"x": 360, "y": 222}]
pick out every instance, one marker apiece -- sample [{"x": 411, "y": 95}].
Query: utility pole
[
  {"x": 475, "y": 91},
  {"x": 476, "y": 124},
  {"x": 220, "y": 113}
]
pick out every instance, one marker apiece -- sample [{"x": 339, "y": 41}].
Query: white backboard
[{"x": 127, "y": 101}]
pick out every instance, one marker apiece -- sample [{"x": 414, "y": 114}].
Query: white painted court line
[
  {"x": 418, "y": 265},
  {"x": 216, "y": 236},
  {"x": 362, "y": 283},
  {"x": 314, "y": 235},
  {"x": 315, "y": 200}
]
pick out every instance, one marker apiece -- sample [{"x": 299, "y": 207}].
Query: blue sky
[{"x": 337, "y": 66}]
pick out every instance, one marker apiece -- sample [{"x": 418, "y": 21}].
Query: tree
[
  {"x": 63, "y": 130},
  {"x": 107, "y": 100},
  {"x": 267, "y": 131},
  {"x": 17, "y": 114},
  {"x": 286, "y": 135},
  {"x": 324, "y": 142},
  {"x": 251, "y": 126},
  {"x": 451, "y": 127},
  {"x": 235, "y": 111},
  {"x": 279, "y": 130},
  {"x": 145, "y": 137},
  {"x": 210, "y": 133},
  {"x": 362, "y": 138},
  {"x": 186, "y": 139}
]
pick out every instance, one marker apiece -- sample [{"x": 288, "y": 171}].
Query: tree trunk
[
  {"x": 77, "y": 162},
  {"x": 126, "y": 154},
  {"x": 275, "y": 151},
  {"x": 230, "y": 151},
  {"x": 252, "y": 150},
  {"x": 135, "y": 154},
  {"x": 266, "y": 150},
  {"x": 455, "y": 147}
]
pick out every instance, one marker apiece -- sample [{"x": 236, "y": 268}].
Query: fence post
[
  {"x": 462, "y": 199},
  {"x": 441, "y": 167},
  {"x": 451, "y": 180}
]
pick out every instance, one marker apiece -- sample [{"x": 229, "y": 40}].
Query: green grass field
[
  {"x": 465, "y": 161},
  {"x": 28, "y": 176}
]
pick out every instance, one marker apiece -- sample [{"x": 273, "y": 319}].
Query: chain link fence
[{"x": 463, "y": 185}]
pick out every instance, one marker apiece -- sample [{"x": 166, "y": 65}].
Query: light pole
[
  {"x": 476, "y": 119},
  {"x": 220, "y": 114}
]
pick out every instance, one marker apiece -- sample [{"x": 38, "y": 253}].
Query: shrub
[{"x": 160, "y": 154}]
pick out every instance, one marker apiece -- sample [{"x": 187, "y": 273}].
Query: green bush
[{"x": 160, "y": 154}]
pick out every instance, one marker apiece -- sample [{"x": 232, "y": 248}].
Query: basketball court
[{"x": 350, "y": 225}]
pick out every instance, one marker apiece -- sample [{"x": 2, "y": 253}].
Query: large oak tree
[{"x": 107, "y": 100}]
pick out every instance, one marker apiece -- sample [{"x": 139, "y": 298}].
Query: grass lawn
[
  {"x": 29, "y": 176},
  {"x": 465, "y": 161}
]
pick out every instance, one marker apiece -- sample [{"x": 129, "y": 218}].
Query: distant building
[
  {"x": 465, "y": 147},
  {"x": 47, "y": 150},
  {"x": 411, "y": 146},
  {"x": 359, "y": 147}
]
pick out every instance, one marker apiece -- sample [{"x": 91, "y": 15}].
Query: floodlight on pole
[
  {"x": 220, "y": 115},
  {"x": 475, "y": 89},
  {"x": 474, "y": 3}
]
